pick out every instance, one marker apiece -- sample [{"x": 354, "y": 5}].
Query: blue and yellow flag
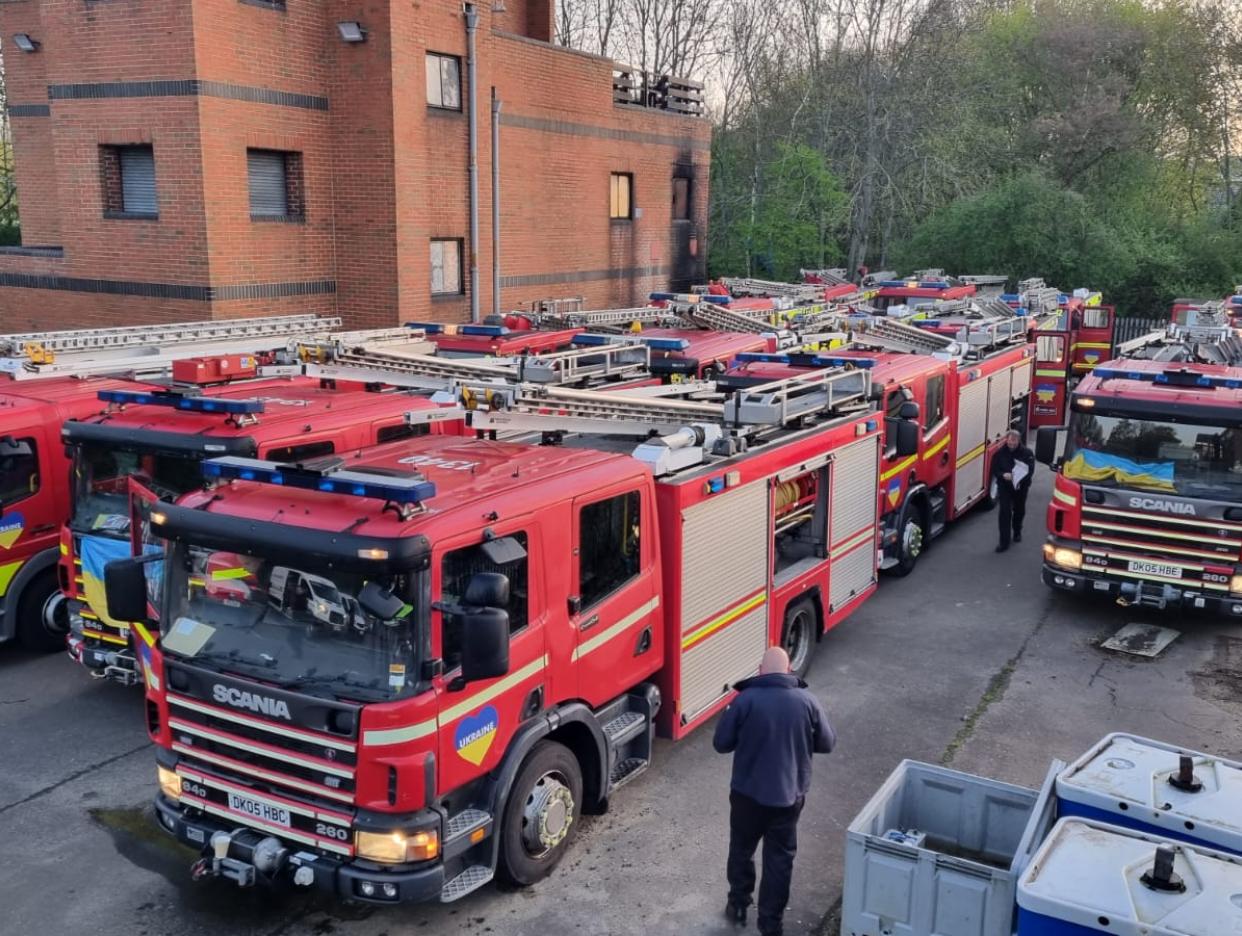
[
  {"x": 97, "y": 552},
  {"x": 1097, "y": 466}
]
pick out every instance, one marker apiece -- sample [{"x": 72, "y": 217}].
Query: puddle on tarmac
[{"x": 1221, "y": 679}]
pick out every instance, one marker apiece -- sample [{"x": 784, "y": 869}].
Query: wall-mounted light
[
  {"x": 25, "y": 43},
  {"x": 352, "y": 32}
]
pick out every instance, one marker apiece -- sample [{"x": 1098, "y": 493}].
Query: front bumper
[
  {"x": 1147, "y": 594},
  {"x": 340, "y": 877},
  {"x": 104, "y": 660}
]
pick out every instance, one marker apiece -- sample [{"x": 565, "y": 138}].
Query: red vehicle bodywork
[{"x": 31, "y": 413}]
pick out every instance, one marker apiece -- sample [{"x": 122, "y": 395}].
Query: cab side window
[
  {"x": 455, "y": 573},
  {"x": 1050, "y": 349},
  {"x": 292, "y": 454},
  {"x": 19, "y": 469},
  {"x": 892, "y": 414},
  {"x": 933, "y": 412},
  {"x": 608, "y": 534},
  {"x": 1095, "y": 317}
]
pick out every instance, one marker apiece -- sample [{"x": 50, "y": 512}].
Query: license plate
[
  {"x": 264, "y": 811},
  {"x": 1155, "y": 568}
]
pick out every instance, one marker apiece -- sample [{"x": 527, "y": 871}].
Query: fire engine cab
[{"x": 529, "y": 613}]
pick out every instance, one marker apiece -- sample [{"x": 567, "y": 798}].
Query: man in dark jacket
[
  {"x": 773, "y": 727},
  {"x": 1013, "y": 466}
]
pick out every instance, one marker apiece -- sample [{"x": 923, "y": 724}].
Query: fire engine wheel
[
  {"x": 543, "y": 808},
  {"x": 798, "y": 635},
  {"x": 910, "y": 539},
  {"x": 41, "y": 597}
]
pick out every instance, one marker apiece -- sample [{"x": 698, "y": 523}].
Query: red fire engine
[
  {"x": 48, "y": 378},
  {"x": 468, "y": 643},
  {"x": 964, "y": 392},
  {"x": 155, "y": 438}
]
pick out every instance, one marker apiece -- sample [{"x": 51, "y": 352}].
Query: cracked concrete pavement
[{"x": 969, "y": 661}]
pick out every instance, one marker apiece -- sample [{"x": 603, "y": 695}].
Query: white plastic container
[
  {"x": 1128, "y": 781},
  {"x": 1088, "y": 878},
  {"x": 976, "y": 835}
]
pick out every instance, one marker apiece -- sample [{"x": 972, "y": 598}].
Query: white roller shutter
[
  {"x": 269, "y": 195},
  {"x": 138, "y": 180}
]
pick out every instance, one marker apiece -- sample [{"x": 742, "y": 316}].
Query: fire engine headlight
[
  {"x": 170, "y": 783},
  {"x": 1063, "y": 556},
  {"x": 398, "y": 847},
  {"x": 1235, "y": 584}
]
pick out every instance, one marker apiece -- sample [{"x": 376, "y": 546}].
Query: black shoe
[
  {"x": 1017, "y": 536},
  {"x": 735, "y": 913},
  {"x": 1001, "y": 549}
]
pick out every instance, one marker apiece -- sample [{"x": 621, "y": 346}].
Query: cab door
[
  {"x": 615, "y": 603},
  {"x": 478, "y": 719},
  {"x": 1052, "y": 370},
  {"x": 30, "y": 516},
  {"x": 1093, "y": 340}
]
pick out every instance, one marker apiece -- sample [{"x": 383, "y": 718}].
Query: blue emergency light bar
[
  {"x": 194, "y": 404},
  {"x": 412, "y": 489},
  {"x": 1183, "y": 378},
  {"x": 913, "y": 284},
  {"x": 656, "y": 343},
  {"x": 438, "y": 328},
  {"x": 804, "y": 359}
]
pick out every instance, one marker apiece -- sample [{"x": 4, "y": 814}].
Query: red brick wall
[{"x": 383, "y": 174}]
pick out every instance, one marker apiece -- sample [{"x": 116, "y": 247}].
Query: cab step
[
  {"x": 939, "y": 503},
  {"x": 624, "y": 727},
  {"x": 628, "y": 725},
  {"x": 626, "y": 770},
  {"x": 469, "y": 881},
  {"x": 464, "y": 823}
]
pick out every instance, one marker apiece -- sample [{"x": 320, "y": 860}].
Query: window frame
[
  {"x": 688, "y": 204},
  {"x": 294, "y": 182},
  {"x": 616, "y": 587},
  {"x": 112, "y": 172},
  {"x": 941, "y": 382},
  {"x": 524, "y": 537},
  {"x": 441, "y": 58},
  {"x": 1058, "y": 341},
  {"x": 614, "y": 194},
  {"x": 459, "y": 244},
  {"x": 33, "y": 444}
]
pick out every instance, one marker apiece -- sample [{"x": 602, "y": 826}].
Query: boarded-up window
[
  {"x": 681, "y": 199},
  {"x": 621, "y": 200},
  {"x": 446, "y": 267},
  {"x": 128, "y": 174}
]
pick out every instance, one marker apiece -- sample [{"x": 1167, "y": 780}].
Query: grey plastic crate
[{"x": 980, "y": 835}]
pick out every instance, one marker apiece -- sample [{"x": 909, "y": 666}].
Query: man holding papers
[{"x": 1012, "y": 467}]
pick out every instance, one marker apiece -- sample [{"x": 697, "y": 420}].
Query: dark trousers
[
  {"x": 749, "y": 822},
  {"x": 1011, "y": 508}
]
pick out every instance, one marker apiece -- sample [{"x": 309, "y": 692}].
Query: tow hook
[{"x": 267, "y": 857}]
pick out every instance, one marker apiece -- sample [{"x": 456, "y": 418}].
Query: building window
[
  {"x": 19, "y": 469},
  {"x": 444, "y": 81},
  {"x": 681, "y": 199},
  {"x": 446, "y": 267},
  {"x": 458, "y": 568},
  {"x": 128, "y": 181},
  {"x": 621, "y": 196},
  {"x": 276, "y": 189},
  {"x": 608, "y": 531}
]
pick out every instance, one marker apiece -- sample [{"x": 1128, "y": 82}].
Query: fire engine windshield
[
  {"x": 1175, "y": 458},
  {"x": 307, "y": 629},
  {"x": 100, "y": 490}
]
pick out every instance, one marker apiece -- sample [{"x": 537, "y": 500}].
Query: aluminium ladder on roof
[
  {"x": 836, "y": 276},
  {"x": 797, "y": 292},
  {"x": 890, "y": 335},
  {"x": 613, "y": 318}
]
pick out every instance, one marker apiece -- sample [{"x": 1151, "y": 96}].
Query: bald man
[{"x": 772, "y": 728}]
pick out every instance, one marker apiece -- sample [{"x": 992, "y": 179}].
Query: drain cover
[{"x": 1145, "y": 640}]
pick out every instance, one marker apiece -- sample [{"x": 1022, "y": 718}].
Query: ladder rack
[
  {"x": 796, "y": 292},
  {"x": 837, "y": 276},
  {"x": 785, "y": 401},
  {"x": 889, "y": 335},
  {"x": 719, "y": 318},
  {"x": 613, "y": 318}
]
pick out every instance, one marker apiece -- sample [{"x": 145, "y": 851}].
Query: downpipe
[
  {"x": 472, "y": 27},
  {"x": 495, "y": 205}
]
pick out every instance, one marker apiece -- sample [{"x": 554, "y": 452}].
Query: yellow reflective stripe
[
  {"x": 64, "y": 549},
  {"x": 1163, "y": 547},
  {"x": 728, "y": 617},
  {"x": 107, "y": 638},
  {"x": 1049, "y": 373},
  {"x": 486, "y": 695},
  {"x": 1065, "y": 498},
  {"x": 224, "y": 575},
  {"x": 1210, "y": 524},
  {"x": 598, "y": 640},
  {"x": 198, "y": 582},
  {"x": 279, "y": 754},
  {"x": 852, "y": 543},
  {"x": 145, "y": 634},
  {"x": 1160, "y": 578},
  {"x": 6, "y": 575},
  {"x": 899, "y": 467},
  {"x": 1103, "y": 345},
  {"x": 1163, "y": 534},
  {"x": 283, "y": 779},
  {"x": 937, "y": 447},
  {"x": 972, "y": 454}
]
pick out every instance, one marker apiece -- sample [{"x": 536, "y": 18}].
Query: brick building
[{"x": 220, "y": 158}]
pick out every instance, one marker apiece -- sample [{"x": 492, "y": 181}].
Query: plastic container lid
[
  {"x": 1125, "y": 769},
  {"x": 1090, "y": 874}
]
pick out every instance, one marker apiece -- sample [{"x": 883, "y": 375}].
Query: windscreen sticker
[
  {"x": 188, "y": 636},
  {"x": 11, "y": 528},
  {"x": 476, "y": 733},
  {"x": 396, "y": 675}
]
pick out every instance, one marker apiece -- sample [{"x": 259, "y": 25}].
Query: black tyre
[
  {"x": 32, "y": 631},
  {"x": 798, "y": 636},
  {"x": 911, "y": 538},
  {"x": 541, "y": 815}
]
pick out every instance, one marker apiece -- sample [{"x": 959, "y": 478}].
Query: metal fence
[{"x": 1130, "y": 328}]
